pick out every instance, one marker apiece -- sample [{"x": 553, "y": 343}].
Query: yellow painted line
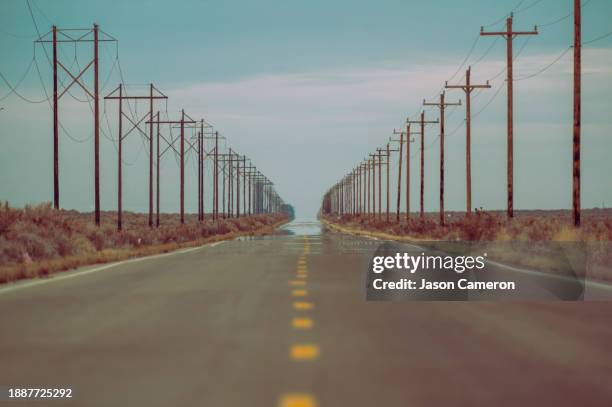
[
  {"x": 302, "y": 323},
  {"x": 303, "y": 306},
  {"x": 304, "y": 352},
  {"x": 299, "y": 293},
  {"x": 297, "y": 400},
  {"x": 297, "y": 282},
  {"x": 302, "y": 275}
]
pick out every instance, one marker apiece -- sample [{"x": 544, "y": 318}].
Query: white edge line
[{"x": 66, "y": 275}]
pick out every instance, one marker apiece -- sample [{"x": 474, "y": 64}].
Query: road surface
[{"x": 283, "y": 321}]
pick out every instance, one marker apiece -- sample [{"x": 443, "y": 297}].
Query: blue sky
[{"x": 309, "y": 88}]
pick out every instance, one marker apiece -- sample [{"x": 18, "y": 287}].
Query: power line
[
  {"x": 562, "y": 18},
  {"x": 535, "y": 3},
  {"x": 18, "y": 36},
  {"x": 601, "y": 37},
  {"x": 505, "y": 16},
  {"x": 545, "y": 68},
  {"x": 489, "y": 102},
  {"x": 13, "y": 88}
]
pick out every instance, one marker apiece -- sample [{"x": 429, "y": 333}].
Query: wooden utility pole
[
  {"x": 409, "y": 140},
  {"x": 468, "y": 87},
  {"x": 55, "y": 125},
  {"x": 200, "y": 147},
  {"x": 509, "y": 35},
  {"x": 216, "y": 171},
  {"x": 388, "y": 156},
  {"x": 238, "y": 185},
  {"x": 75, "y": 36},
  {"x": 119, "y": 163},
  {"x": 389, "y": 151},
  {"x": 182, "y": 166},
  {"x": 577, "y": 111},
  {"x": 399, "y": 174},
  {"x": 215, "y": 198},
  {"x": 244, "y": 171},
  {"x": 135, "y": 124},
  {"x": 380, "y": 151},
  {"x": 373, "y": 184},
  {"x": 185, "y": 119},
  {"x": 422, "y": 122},
  {"x": 369, "y": 161},
  {"x": 157, "y": 177},
  {"x": 96, "y": 98},
  {"x": 442, "y": 105}
]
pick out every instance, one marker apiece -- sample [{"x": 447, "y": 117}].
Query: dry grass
[
  {"x": 526, "y": 227},
  {"x": 491, "y": 226},
  {"x": 39, "y": 240}
]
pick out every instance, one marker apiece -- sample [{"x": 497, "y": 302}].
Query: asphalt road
[{"x": 283, "y": 321}]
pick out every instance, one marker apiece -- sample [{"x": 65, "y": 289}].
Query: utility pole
[
  {"x": 182, "y": 166},
  {"x": 442, "y": 105},
  {"x": 200, "y": 135},
  {"x": 468, "y": 87},
  {"x": 55, "y": 127},
  {"x": 119, "y": 163},
  {"x": 76, "y": 36},
  {"x": 251, "y": 171},
  {"x": 409, "y": 140},
  {"x": 157, "y": 176},
  {"x": 96, "y": 128},
  {"x": 577, "y": 111},
  {"x": 238, "y": 185},
  {"x": 374, "y": 184},
  {"x": 423, "y": 122},
  {"x": 369, "y": 163},
  {"x": 216, "y": 197},
  {"x": 399, "y": 173},
  {"x": 244, "y": 172},
  {"x": 118, "y": 94},
  {"x": 379, "y": 150},
  {"x": 509, "y": 35},
  {"x": 185, "y": 119},
  {"x": 389, "y": 150}
]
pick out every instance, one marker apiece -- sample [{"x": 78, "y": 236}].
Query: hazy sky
[{"x": 307, "y": 89}]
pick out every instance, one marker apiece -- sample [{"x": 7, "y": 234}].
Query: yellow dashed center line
[
  {"x": 302, "y": 323},
  {"x": 297, "y": 400},
  {"x": 301, "y": 352},
  {"x": 299, "y": 293},
  {"x": 303, "y": 306}
]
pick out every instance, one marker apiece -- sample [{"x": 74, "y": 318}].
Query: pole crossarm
[{"x": 82, "y": 35}]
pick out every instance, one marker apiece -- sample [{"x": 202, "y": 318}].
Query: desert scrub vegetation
[
  {"x": 526, "y": 227},
  {"x": 38, "y": 240},
  {"x": 490, "y": 226}
]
